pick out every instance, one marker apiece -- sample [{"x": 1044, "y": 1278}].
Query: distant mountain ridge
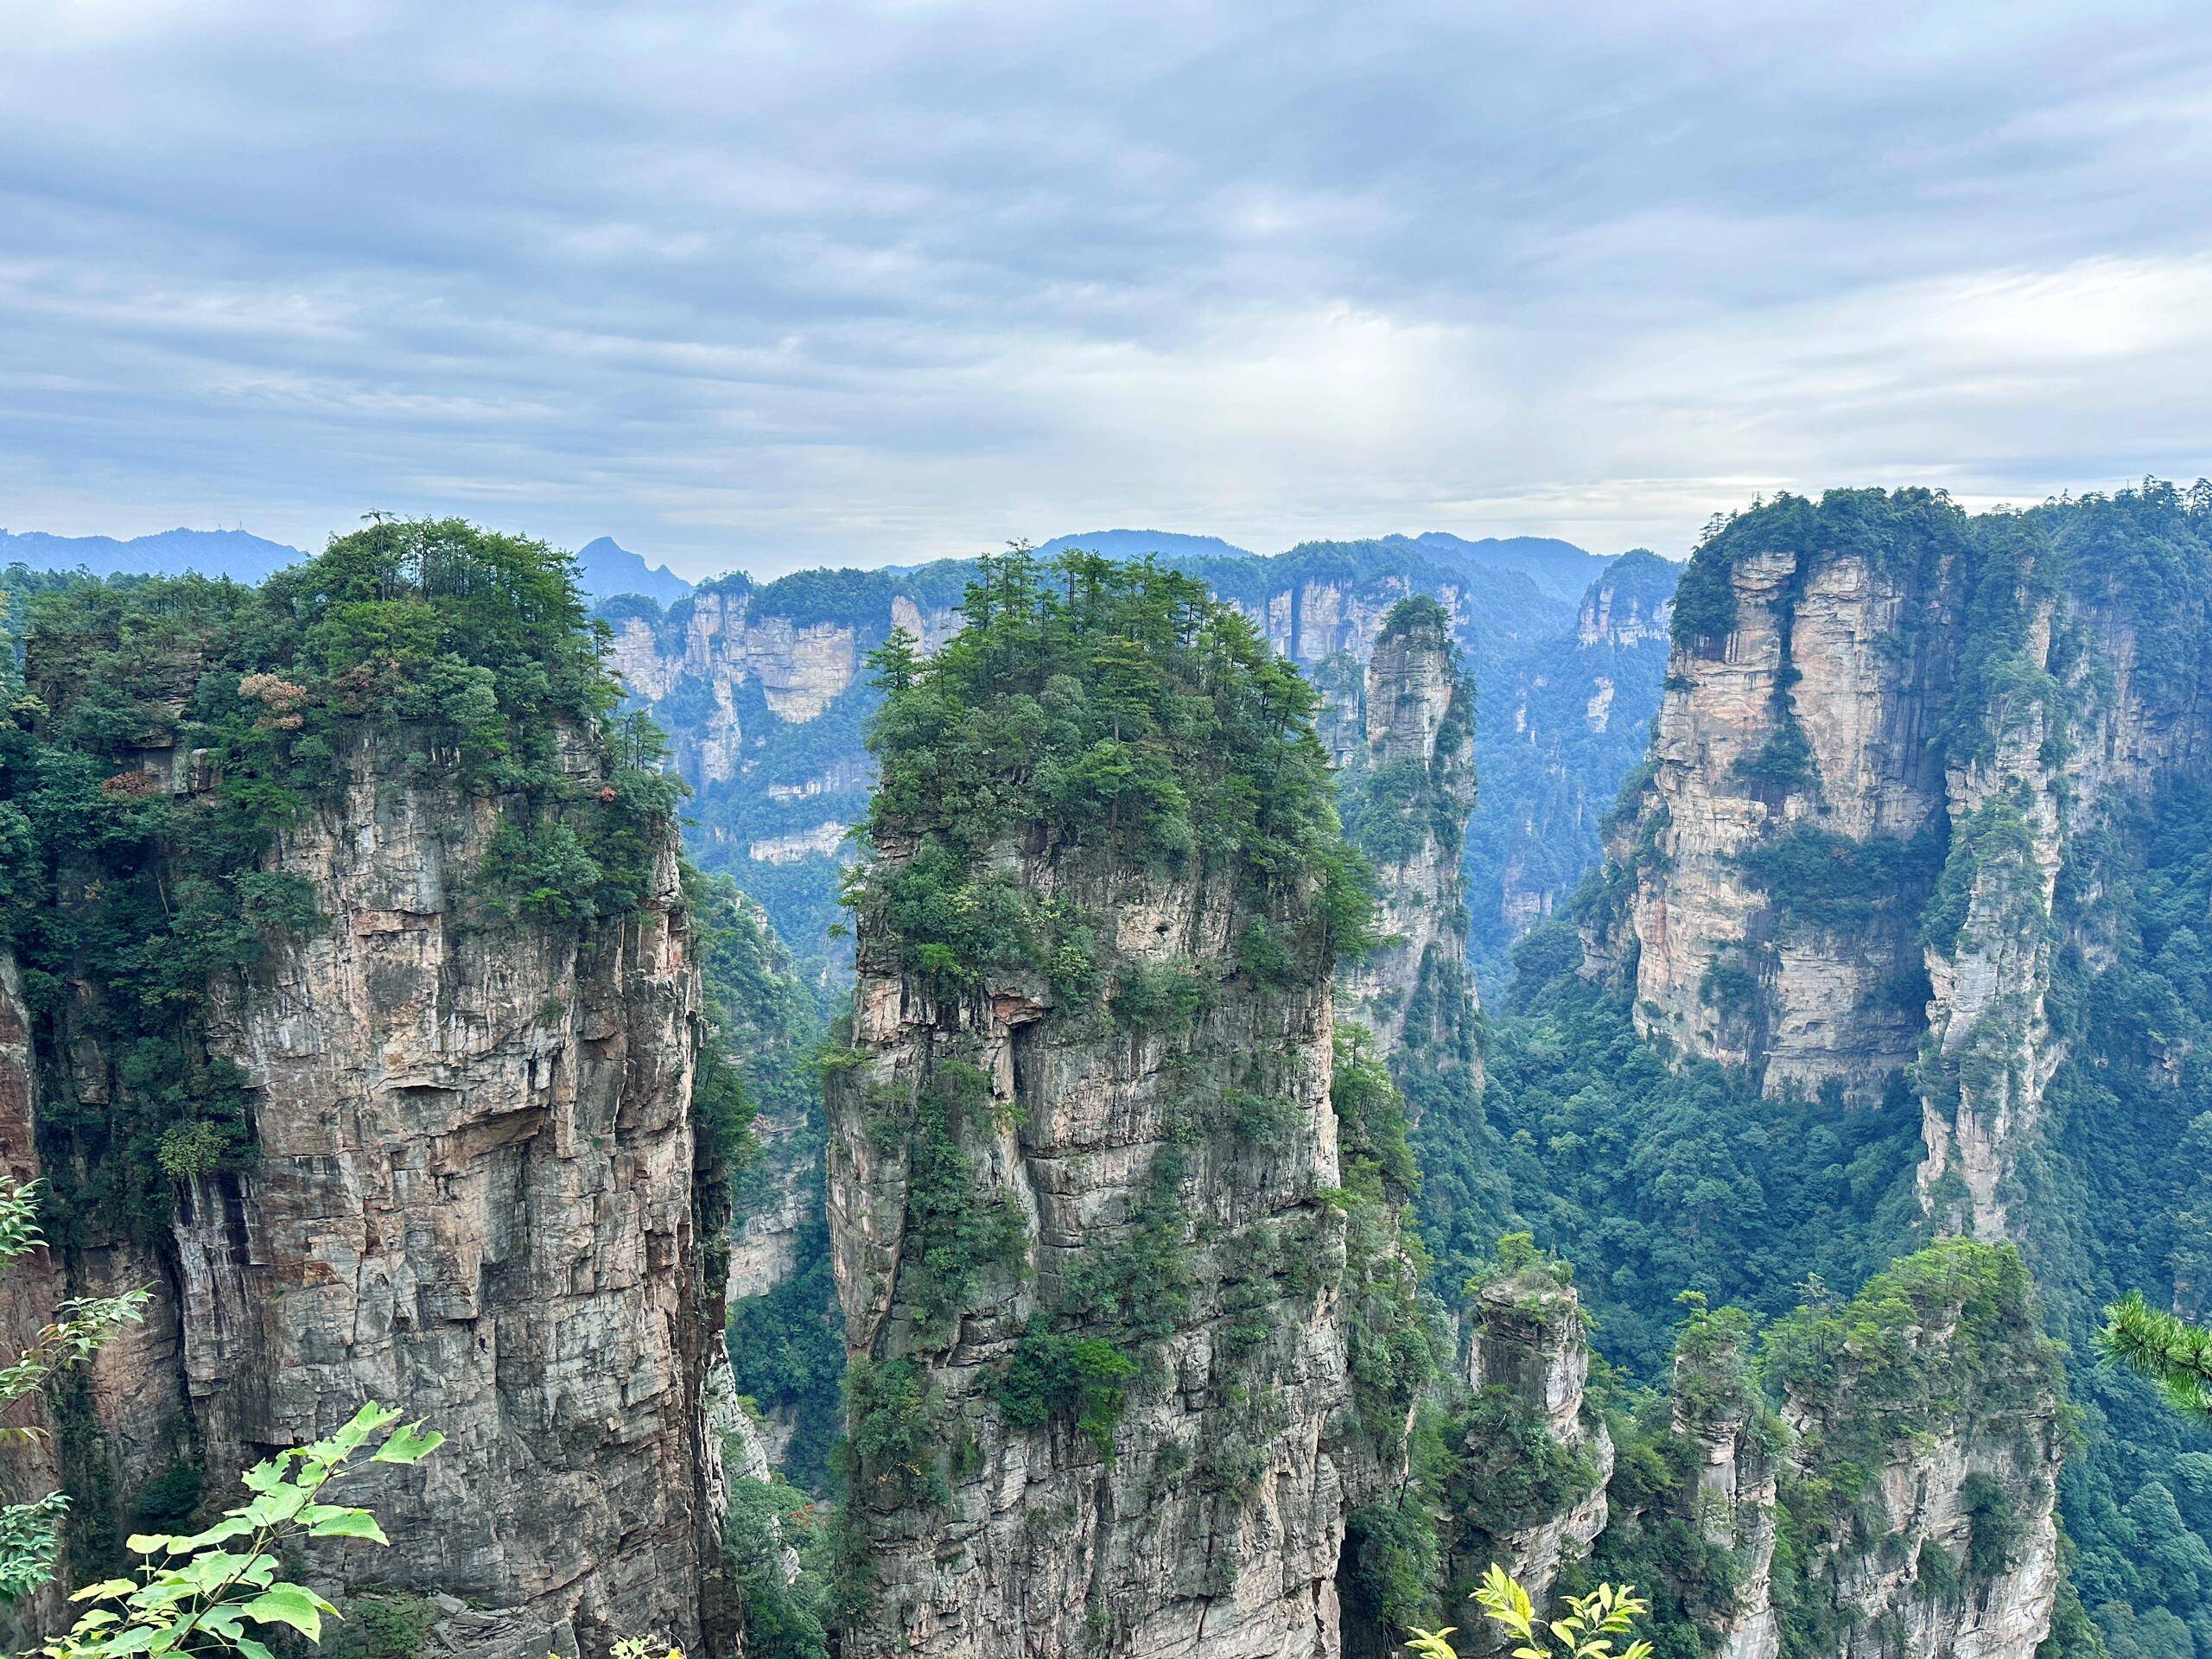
[
  {"x": 233, "y": 553},
  {"x": 606, "y": 569}
]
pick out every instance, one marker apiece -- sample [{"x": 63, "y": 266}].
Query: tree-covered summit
[
  {"x": 167, "y": 732},
  {"x": 1116, "y": 706}
]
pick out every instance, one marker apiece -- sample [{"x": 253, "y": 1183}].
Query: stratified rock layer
[
  {"x": 1528, "y": 1340},
  {"x": 1408, "y": 797},
  {"x": 1868, "y": 774}
]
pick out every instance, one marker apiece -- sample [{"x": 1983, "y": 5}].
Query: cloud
[{"x": 785, "y": 283}]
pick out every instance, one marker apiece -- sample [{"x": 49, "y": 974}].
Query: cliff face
[
  {"x": 473, "y": 1197},
  {"x": 409, "y": 1145},
  {"x": 1922, "y": 1485},
  {"x": 1887, "y": 728},
  {"x": 1407, "y": 798},
  {"x": 1561, "y": 722},
  {"x": 1215, "y": 1525},
  {"x": 1799, "y": 721},
  {"x": 1529, "y": 1490}
]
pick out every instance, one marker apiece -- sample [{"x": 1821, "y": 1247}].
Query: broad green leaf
[
  {"x": 148, "y": 1543},
  {"x": 349, "y": 1523},
  {"x": 106, "y": 1590},
  {"x": 252, "y": 1648},
  {"x": 222, "y": 1531},
  {"x": 288, "y": 1604},
  {"x": 138, "y": 1640},
  {"x": 410, "y": 1444}
]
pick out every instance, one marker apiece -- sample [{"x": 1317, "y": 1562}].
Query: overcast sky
[{"x": 767, "y": 285}]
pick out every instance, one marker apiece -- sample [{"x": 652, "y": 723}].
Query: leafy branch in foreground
[
  {"x": 2173, "y": 1353},
  {"x": 1592, "y": 1623},
  {"x": 74, "y": 1336},
  {"x": 196, "y": 1595}
]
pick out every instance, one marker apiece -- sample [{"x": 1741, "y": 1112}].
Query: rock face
[
  {"x": 1717, "y": 1411},
  {"x": 1561, "y": 721},
  {"x": 1408, "y": 797},
  {"x": 1886, "y": 730},
  {"x": 1214, "y": 1526},
  {"x": 1528, "y": 1362},
  {"x": 1947, "y": 1544},
  {"x": 1113, "y": 1215},
  {"x": 473, "y": 1197}
]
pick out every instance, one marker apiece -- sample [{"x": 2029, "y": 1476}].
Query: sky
[{"x": 768, "y": 285}]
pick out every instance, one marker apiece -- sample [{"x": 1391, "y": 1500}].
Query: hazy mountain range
[{"x": 607, "y": 568}]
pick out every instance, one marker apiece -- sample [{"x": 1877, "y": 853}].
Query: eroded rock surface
[{"x": 471, "y": 1196}]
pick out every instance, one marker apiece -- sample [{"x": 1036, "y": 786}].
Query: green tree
[
  {"x": 1589, "y": 1629},
  {"x": 217, "y": 1591}
]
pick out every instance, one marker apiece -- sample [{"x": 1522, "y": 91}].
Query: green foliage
[
  {"x": 2173, "y": 1353},
  {"x": 1784, "y": 761},
  {"x": 1122, "y": 708},
  {"x": 2115, "y": 1197},
  {"x": 197, "y": 1594},
  {"x": 1395, "y": 1348},
  {"x": 1397, "y": 1564},
  {"x": 958, "y": 1229},
  {"x": 1406, "y": 804},
  {"x": 1947, "y": 1340},
  {"x": 891, "y": 1456},
  {"x": 1656, "y": 1178},
  {"x": 785, "y": 1617},
  {"x": 382, "y": 1624},
  {"x": 1587, "y": 1630},
  {"x": 168, "y": 729},
  {"x": 1054, "y": 1373},
  {"x": 77, "y": 1331},
  {"x": 1160, "y": 996},
  {"x": 1825, "y": 879},
  {"x": 1994, "y": 1526}
]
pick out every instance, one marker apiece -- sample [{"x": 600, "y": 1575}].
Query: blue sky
[{"x": 774, "y": 284}]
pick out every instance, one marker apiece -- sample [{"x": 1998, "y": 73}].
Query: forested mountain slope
[{"x": 1905, "y": 919}]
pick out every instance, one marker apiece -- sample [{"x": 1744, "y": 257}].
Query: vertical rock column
[
  {"x": 1090, "y": 1282},
  {"x": 1528, "y": 1361},
  {"x": 1407, "y": 800},
  {"x": 473, "y": 1198}
]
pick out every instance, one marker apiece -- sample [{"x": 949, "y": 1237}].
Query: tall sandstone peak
[
  {"x": 470, "y": 1192},
  {"x": 1530, "y": 1494},
  {"x": 1110, "y": 1259},
  {"x": 1408, "y": 796},
  {"x": 1888, "y": 729}
]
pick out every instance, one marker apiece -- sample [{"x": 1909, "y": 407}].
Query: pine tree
[{"x": 2173, "y": 1353}]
